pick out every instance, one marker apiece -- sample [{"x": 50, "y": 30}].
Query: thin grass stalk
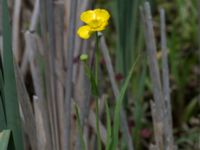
[
  {"x": 199, "y": 34},
  {"x": 80, "y": 129},
  {"x": 108, "y": 126},
  {"x": 119, "y": 102},
  {"x": 68, "y": 83},
  {"x": 166, "y": 86},
  {"x": 97, "y": 84},
  {"x": 124, "y": 124},
  {"x": 138, "y": 112}
]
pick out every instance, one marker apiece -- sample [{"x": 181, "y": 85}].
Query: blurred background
[{"x": 51, "y": 81}]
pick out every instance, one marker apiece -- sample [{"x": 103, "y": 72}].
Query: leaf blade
[{"x": 11, "y": 103}]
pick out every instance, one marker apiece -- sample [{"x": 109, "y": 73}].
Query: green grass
[
  {"x": 9, "y": 101},
  {"x": 6, "y": 140}
]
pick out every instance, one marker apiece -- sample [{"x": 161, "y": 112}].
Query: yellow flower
[
  {"x": 96, "y": 20},
  {"x": 84, "y": 32}
]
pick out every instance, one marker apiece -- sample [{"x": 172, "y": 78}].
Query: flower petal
[
  {"x": 96, "y": 19},
  {"x": 102, "y": 14},
  {"x": 88, "y": 16},
  {"x": 103, "y": 26},
  {"x": 84, "y": 32}
]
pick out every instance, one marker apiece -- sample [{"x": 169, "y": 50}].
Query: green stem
[
  {"x": 96, "y": 80},
  {"x": 93, "y": 77},
  {"x": 96, "y": 58}
]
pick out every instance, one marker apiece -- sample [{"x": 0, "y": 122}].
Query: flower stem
[{"x": 96, "y": 80}]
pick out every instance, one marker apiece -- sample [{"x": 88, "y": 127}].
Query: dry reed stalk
[
  {"x": 169, "y": 140},
  {"x": 161, "y": 109},
  {"x": 59, "y": 57},
  {"x": 157, "y": 126},
  {"x": 52, "y": 54},
  {"x": 48, "y": 86},
  {"x": 32, "y": 48},
  {"x": 32, "y": 28},
  {"x": 68, "y": 84},
  {"x": 27, "y": 111},
  {"x": 42, "y": 139},
  {"x": 16, "y": 30},
  {"x": 154, "y": 73},
  {"x": 102, "y": 129}
]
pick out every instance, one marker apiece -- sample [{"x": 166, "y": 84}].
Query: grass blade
[
  {"x": 109, "y": 129},
  {"x": 118, "y": 108},
  {"x": 11, "y": 103},
  {"x": 2, "y": 101},
  {"x": 6, "y": 140},
  {"x": 80, "y": 129}
]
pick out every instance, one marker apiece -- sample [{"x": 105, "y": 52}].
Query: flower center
[{"x": 95, "y": 23}]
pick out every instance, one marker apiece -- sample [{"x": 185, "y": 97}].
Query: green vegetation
[{"x": 114, "y": 109}]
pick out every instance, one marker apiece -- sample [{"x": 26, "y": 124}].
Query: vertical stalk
[
  {"x": 96, "y": 96},
  {"x": 69, "y": 74}
]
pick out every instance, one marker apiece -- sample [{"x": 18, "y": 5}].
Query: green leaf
[
  {"x": 2, "y": 115},
  {"x": 118, "y": 107},
  {"x": 80, "y": 128},
  {"x": 10, "y": 92},
  {"x": 2, "y": 101},
  {"x": 190, "y": 110},
  {"x": 109, "y": 129},
  {"x": 6, "y": 141},
  {"x": 127, "y": 24}
]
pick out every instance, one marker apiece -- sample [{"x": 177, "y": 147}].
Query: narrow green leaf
[
  {"x": 80, "y": 128},
  {"x": 138, "y": 111},
  {"x": 2, "y": 101},
  {"x": 127, "y": 31},
  {"x": 118, "y": 107},
  {"x": 2, "y": 116},
  {"x": 190, "y": 110},
  {"x": 11, "y": 102},
  {"x": 109, "y": 129},
  {"x": 6, "y": 141}
]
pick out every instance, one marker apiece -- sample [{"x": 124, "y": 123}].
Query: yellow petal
[
  {"x": 84, "y": 32},
  {"x": 88, "y": 16},
  {"x": 102, "y": 14},
  {"x": 103, "y": 26},
  {"x": 96, "y": 19}
]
